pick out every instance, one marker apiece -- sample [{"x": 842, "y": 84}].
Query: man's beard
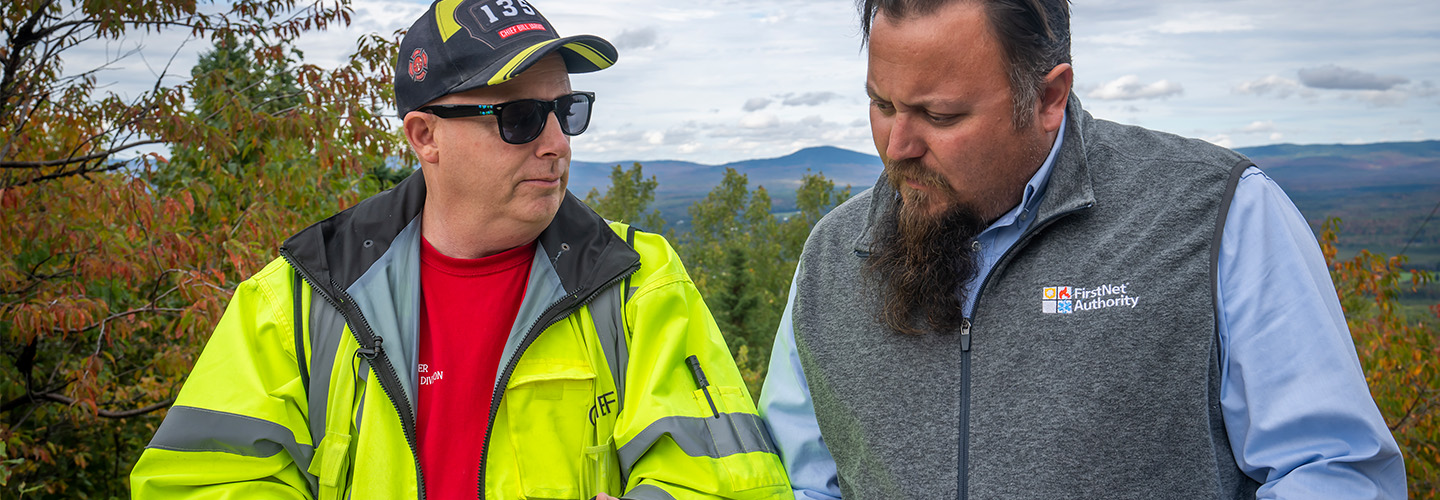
[{"x": 922, "y": 261}]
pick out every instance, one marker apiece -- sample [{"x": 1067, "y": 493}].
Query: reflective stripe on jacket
[{"x": 578, "y": 410}]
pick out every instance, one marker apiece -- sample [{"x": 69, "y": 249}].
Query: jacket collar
[
  {"x": 333, "y": 253},
  {"x": 1067, "y": 190}
]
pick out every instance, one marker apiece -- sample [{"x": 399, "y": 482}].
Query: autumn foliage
[
  {"x": 115, "y": 265},
  {"x": 1399, "y": 352}
]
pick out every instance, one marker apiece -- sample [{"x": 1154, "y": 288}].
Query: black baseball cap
[{"x": 460, "y": 45}]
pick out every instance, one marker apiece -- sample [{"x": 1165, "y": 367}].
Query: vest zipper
[
  {"x": 965, "y": 334},
  {"x": 966, "y": 325},
  {"x": 546, "y": 318},
  {"x": 389, "y": 380},
  {"x": 964, "y": 407}
]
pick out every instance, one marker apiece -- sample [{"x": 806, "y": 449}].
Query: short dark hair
[{"x": 1035, "y": 35}]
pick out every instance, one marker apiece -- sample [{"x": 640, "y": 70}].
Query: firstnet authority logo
[
  {"x": 1070, "y": 300},
  {"x": 1057, "y": 300}
]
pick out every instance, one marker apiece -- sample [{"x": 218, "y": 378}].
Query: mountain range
[
  {"x": 1384, "y": 192},
  {"x": 682, "y": 183}
]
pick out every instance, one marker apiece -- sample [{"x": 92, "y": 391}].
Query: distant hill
[
  {"x": 1348, "y": 167},
  {"x": 682, "y": 183},
  {"x": 1382, "y": 192}
]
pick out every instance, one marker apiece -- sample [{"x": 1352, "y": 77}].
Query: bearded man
[{"x": 1033, "y": 303}]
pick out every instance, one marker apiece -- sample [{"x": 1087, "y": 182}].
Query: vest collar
[{"x": 1069, "y": 188}]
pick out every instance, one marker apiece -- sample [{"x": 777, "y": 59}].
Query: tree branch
[
  {"x": 36, "y": 36},
  {"x": 12, "y": 63},
  {"x": 108, "y": 413},
  {"x": 30, "y": 395},
  {"x": 1419, "y": 397},
  {"x": 67, "y": 173},
  {"x": 77, "y": 159},
  {"x": 118, "y": 315},
  {"x": 35, "y": 280}
]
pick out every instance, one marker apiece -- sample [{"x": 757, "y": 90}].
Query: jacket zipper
[
  {"x": 965, "y": 326},
  {"x": 389, "y": 380},
  {"x": 546, "y": 318}
]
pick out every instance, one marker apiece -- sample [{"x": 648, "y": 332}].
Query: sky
[{"x": 715, "y": 81}]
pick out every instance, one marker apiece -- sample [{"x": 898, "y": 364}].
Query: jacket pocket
[{"x": 547, "y": 405}]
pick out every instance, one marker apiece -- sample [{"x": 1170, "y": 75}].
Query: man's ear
[
  {"x": 1054, "y": 95},
  {"x": 420, "y": 132}
]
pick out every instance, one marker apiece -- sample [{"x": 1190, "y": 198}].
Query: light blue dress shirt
[{"x": 1299, "y": 414}]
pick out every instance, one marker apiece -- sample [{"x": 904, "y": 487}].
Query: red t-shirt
[{"x": 468, "y": 306}]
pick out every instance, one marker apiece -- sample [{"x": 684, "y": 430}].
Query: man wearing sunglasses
[{"x": 477, "y": 331}]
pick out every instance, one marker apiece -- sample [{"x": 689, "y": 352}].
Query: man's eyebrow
[
  {"x": 924, "y": 104},
  {"x": 870, "y": 91}
]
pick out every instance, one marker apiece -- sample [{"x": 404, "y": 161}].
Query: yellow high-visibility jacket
[{"x": 593, "y": 394}]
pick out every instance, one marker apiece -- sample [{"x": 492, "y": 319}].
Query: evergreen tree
[
  {"x": 742, "y": 259},
  {"x": 627, "y": 199}
]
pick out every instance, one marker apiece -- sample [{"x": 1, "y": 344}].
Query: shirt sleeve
[
  {"x": 1296, "y": 406},
  {"x": 786, "y": 406}
]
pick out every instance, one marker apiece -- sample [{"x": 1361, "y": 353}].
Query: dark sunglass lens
[
  {"x": 574, "y": 113},
  {"x": 521, "y": 121}
]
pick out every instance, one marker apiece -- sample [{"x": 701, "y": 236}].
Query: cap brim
[{"x": 582, "y": 54}]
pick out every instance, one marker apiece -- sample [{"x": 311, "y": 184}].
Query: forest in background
[
  {"x": 1384, "y": 192},
  {"x": 114, "y": 266}
]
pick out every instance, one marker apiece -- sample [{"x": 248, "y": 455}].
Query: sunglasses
[{"x": 522, "y": 121}]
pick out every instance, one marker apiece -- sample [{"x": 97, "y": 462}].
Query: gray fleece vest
[{"x": 1089, "y": 368}]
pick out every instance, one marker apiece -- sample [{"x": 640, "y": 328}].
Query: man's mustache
[{"x": 912, "y": 169}]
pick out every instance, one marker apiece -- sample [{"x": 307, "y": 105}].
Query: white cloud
[
  {"x": 1380, "y": 98},
  {"x": 1274, "y": 84},
  {"x": 810, "y": 99},
  {"x": 1259, "y": 126},
  {"x": 1129, "y": 87},
  {"x": 332, "y": 47},
  {"x": 1222, "y": 140},
  {"x": 1116, "y": 39},
  {"x": 131, "y": 65},
  {"x": 775, "y": 18},
  {"x": 1206, "y": 22},
  {"x": 1369, "y": 88},
  {"x": 759, "y": 120},
  {"x": 643, "y": 38},
  {"x": 1331, "y": 76},
  {"x": 1426, "y": 88},
  {"x": 694, "y": 74},
  {"x": 1266, "y": 128}
]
